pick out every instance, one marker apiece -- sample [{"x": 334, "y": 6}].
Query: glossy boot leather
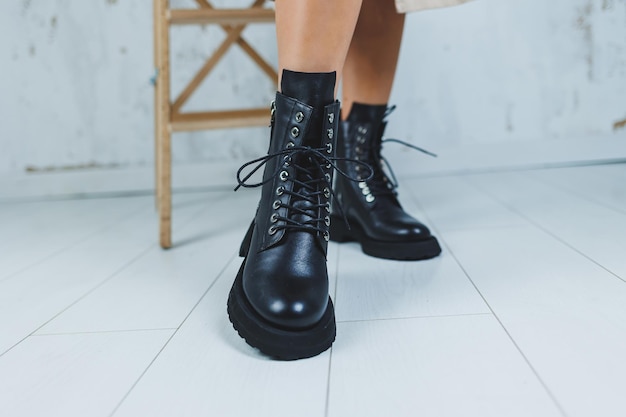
[
  {"x": 279, "y": 302},
  {"x": 376, "y": 219}
]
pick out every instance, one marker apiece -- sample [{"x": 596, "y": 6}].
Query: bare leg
[
  {"x": 314, "y": 35},
  {"x": 370, "y": 65}
]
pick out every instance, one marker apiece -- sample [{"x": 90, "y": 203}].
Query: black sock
[{"x": 317, "y": 89}]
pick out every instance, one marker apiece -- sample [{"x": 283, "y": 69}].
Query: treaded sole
[
  {"x": 276, "y": 342},
  {"x": 402, "y": 251}
]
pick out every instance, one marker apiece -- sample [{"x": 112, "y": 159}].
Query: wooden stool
[{"x": 168, "y": 115}]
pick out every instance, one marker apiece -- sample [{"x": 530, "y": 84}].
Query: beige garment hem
[{"x": 404, "y": 6}]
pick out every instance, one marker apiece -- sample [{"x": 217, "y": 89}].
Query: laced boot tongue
[
  {"x": 306, "y": 198},
  {"x": 368, "y": 120}
]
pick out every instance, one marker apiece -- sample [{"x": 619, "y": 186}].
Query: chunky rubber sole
[
  {"x": 403, "y": 251},
  {"x": 276, "y": 342}
]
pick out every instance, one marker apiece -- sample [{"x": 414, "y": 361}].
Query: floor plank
[
  {"x": 453, "y": 204},
  {"x": 160, "y": 289},
  {"x": 32, "y": 232},
  {"x": 603, "y": 184},
  {"x": 374, "y": 289},
  {"x": 74, "y": 375},
  {"x": 445, "y": 366},
  {"x": 33, "y": 297},
  {"x": 566, "y": 314},
  {"x": 595, "y": 230}
]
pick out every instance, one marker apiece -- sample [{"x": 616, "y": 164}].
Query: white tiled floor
[{"x": 524, "y": 314}]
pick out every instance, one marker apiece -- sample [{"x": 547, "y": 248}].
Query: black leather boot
[
  {"x": 279, "y": 302},
  {"x": 376, "y": 218}
]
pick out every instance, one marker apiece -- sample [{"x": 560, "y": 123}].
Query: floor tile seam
[
  {"x": 91, "y": 290},
  {"x": 143, "y": 373},
  {"x": 330, "y": 358},
  {"x": 328, "y": 381},
  {"x": 103, "y": 331},
  {"x": 578, "y": 194},
  {"x": 84, "y": 238},
  {"x": 435, "y": 316},
  {"x": 554, "y": 236},
  {"x": 534, "y": 371}
]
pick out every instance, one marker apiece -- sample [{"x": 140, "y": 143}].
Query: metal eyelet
[
  {"x": 329, "y": 148},
  {"x": 370, "y": 198},
  {"x": 299, "y": 117},
  {"x": 331, "y": 117},
  {"x": 326, "y": 192},
  {"x": 327, "y": 207},
  {"x": 280, "y": 190},
  {"x": 362, "y": 184},
  {"x": 366, "y": 191},
  {"x": 290, "y": 144},
  {"x": 327, "y": 220},
  {"x": 357, "y": 168},
  {"x": 284, "y": 175},
  {"x": 326, "y": 236},
  {"x": 327, "y": 176},
  {"x": 286, "y": 161},
  {"x": 274, "y": 218},
  {"x": 328, "y": 165},
  {"x": 276, "y": 205},
  {"x": 362, "y": 129},
  {"x": 330, "y": 133},
  {"x": 295, "y": 132},
  {"x": 273, "y": 229}
]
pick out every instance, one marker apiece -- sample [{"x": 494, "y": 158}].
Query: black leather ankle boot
[
  {"x": 376, "y": 218},
  {"x": 279, "y": 302}
]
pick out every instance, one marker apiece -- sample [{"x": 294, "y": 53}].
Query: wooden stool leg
[
  {"x": 164, "y": 136},
  {"x": 165, "y": 197},
  {"x": 157, "y": 99}
]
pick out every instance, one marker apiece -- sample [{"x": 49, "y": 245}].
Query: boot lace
[
  {"x": 381, "y": 183},
  {"x": 312, "y": 186}
]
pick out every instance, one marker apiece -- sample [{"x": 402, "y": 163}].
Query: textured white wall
[
  {"x": 76, "y": 85},
  {"x": 76, "y": 93},
  {"x": 499, "y": 70}
]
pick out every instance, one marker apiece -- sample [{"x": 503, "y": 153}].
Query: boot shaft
[
  {"x": 298, "y": 178},
  {"x": 361, "y": 133}
]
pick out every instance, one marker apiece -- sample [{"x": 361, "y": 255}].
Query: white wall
[
  {"x": 76, "y": 93},
  {"x": 504, "y": 70}
]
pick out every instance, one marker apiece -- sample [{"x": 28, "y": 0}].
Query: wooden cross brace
[{"x": 168, "y": 115}]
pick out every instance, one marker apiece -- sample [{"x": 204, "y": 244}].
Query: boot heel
[
  {"x": 247, "y": 239},
  {"x": 339, "y": 231}
]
